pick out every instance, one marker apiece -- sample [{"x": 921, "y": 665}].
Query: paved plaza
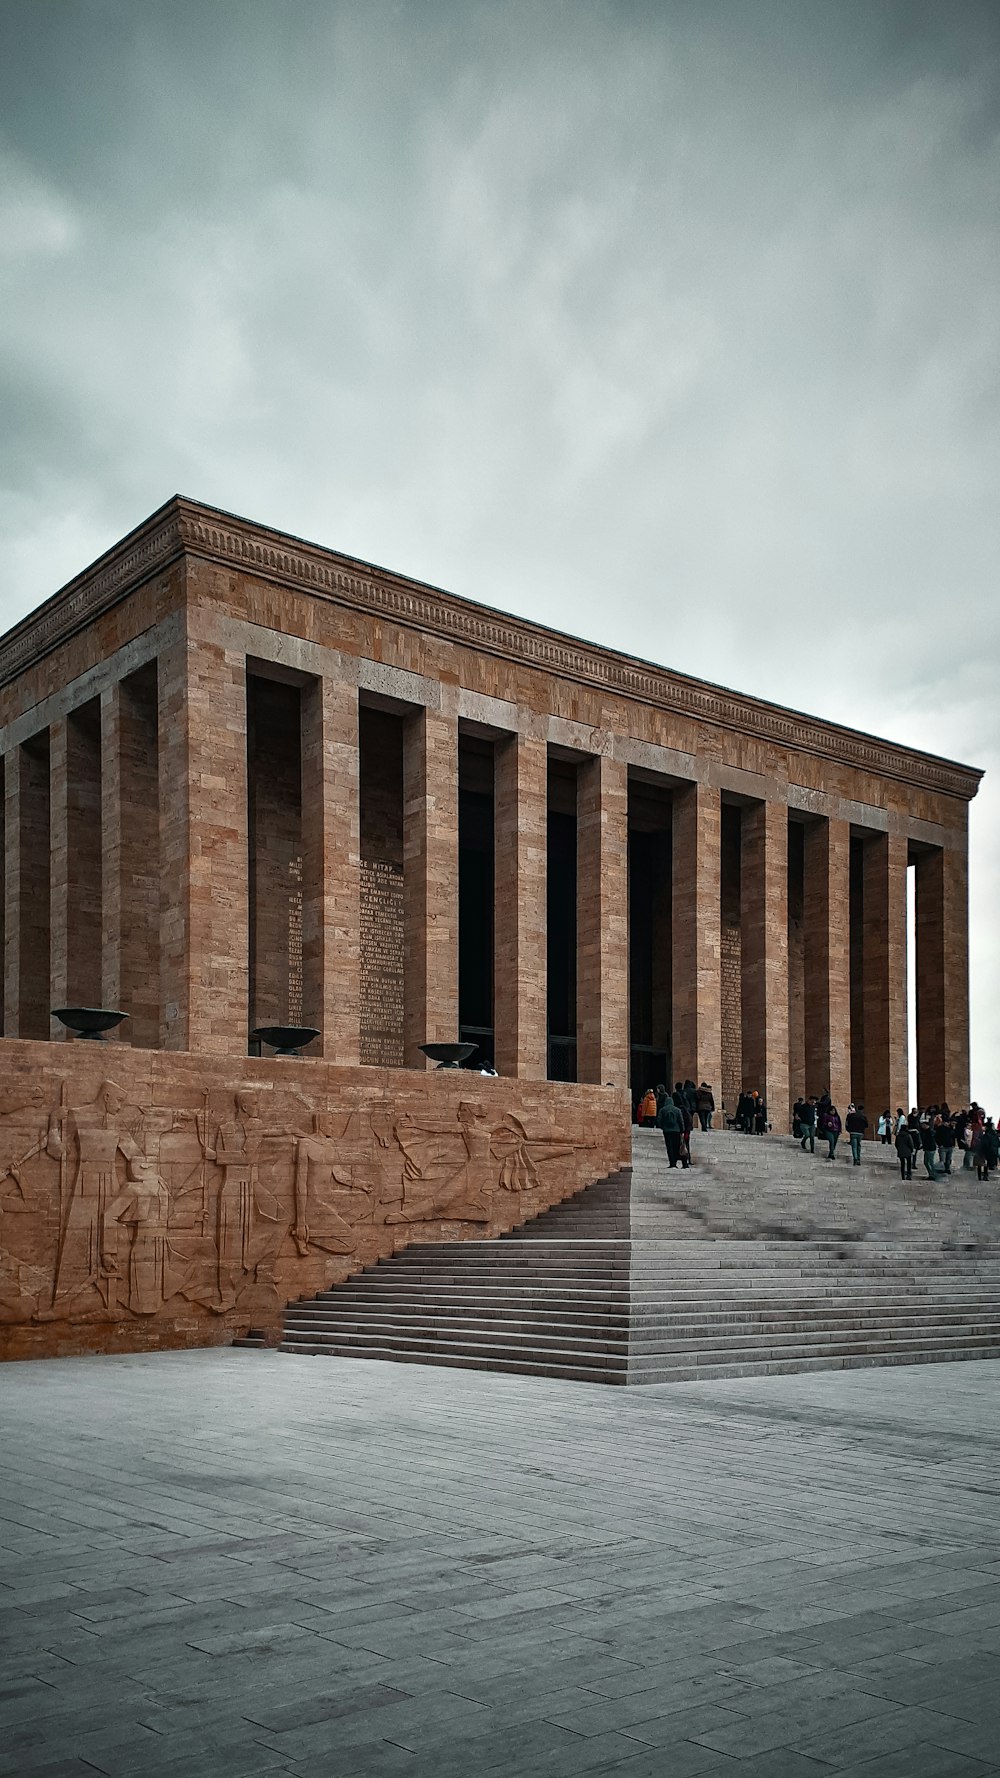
[{"x": 242, "y": 1563}]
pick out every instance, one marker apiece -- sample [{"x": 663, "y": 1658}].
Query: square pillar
[
  {"x": 59, "y": 869},
  {"x": 520, "y": 819},
  {"x": 331, "y": 869},
  {"x": 430, "y": 882},
  {"x": 204, "y": 928},
  {"x": 696, "y": 1038},
  {"x": 75, "y": 859},
  {"x": 26, "y": 890},
  {"x": 602, "y": 1035},
  {"x": 884, "y": 960},
  {"x": 130, "y": 857},
  {"x": 764, "y": 955},
  {"x": 826, "y": 916},
  {"x": 943, "y": 978}
]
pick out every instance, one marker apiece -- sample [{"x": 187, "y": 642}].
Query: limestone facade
[{"x": 247, "y": 779}]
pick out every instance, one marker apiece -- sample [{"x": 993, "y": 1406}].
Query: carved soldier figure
[
  {"x": 144, "y": 1206},
  {"x": 101, "y": 1133},
  {"x": 434, "y": 1188},
  {"x": 319, "y": 1163},
  {"x": 248, "y": 1222}
]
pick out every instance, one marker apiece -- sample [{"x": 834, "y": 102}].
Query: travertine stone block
[
  {"x": 942, "y": 977},
  {"x": 697, "y": 960},
  {"x": 602, "y": 922},
  {"x": 430, "y": 882},
  {"x": 59, "y": 885},
  {"x": 203, "y": 847},
  {"x": 827, "y": 919},
  {"x": 519, "y": 958},
  {"x": 331, "y": 868},
  {"x": 175, "y": 1200},
  {"x": 884, "y": 986},
  {"x": 764, "y": 955},
  {"x": 130, "y": 829},
  {"x": 26, "y": 890}
]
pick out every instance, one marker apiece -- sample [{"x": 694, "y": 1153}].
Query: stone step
[{"x": 632, "y": 1281}]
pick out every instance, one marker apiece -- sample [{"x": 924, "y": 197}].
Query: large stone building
[{"x": 250, "y": 781}]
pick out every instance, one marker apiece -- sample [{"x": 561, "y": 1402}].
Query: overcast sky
[{"x": 675, "y": 325}]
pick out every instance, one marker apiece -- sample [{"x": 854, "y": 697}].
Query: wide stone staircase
[{"x": 757, "y": 1259}]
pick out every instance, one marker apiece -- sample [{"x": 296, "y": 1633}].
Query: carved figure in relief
[
  {"x": 100, "y": 1132},
  {"x": 144, "y": 1207},
  {"x": 443, "y": 1181},
  {"x": 248, "y": 1223},
  {"x": 319, "y": 1164},
  {"x": 520, "y": 1155}
]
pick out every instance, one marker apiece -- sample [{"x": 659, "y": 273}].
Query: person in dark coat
[
  {"x": 857, "y": 1124},
  {"x": 928, "y": 1145},
  {"x": 807, "y": 1121},
  {"x": 832, "y": 1127},
  {"x": 759, "y": 1116},
  {"x": 680, "y": 1100},
  {"x": 704, "y": 1100},
  {"x": 671, "y": 1121},
  {"x": 945, "y": 1133},
  {"x": 905, "y": 1146},
  {"x": 988, "y": 1152}
]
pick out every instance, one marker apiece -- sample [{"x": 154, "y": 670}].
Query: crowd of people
[
  {"x": 675, "y": 1115},
  {"x": 931, "y": 1134}
]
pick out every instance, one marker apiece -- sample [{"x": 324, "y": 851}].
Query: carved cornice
[
  {"x": 185, "y": 527},
  {"x": 105, "y": 583}
]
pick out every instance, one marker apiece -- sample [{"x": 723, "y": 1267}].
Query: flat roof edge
[{"x": 187, "y": 527}]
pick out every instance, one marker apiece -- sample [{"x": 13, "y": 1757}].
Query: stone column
[
  {"x": 130, "y": 857},
  {"x": 884, "y": 962},
  {"x": 75, "y": 859},
  {"x": 943, "y": 978},
  {"x": 331, "y": 907},
  {"x": 519, "y": 921},
  {"x": 696, "y": 1038},
  {"x": 203, "y": 847},
  {"x": 602, "y": 1031},
  {"x": 59, "y": 871},
  {"x": 764, "y": 955},
  {"x": 430, "y": 882},
  {"x": 26, "y": 890},
  {"x": 826, "y": 902}
]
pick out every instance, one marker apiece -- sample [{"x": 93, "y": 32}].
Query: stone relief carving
[{"x": 112, "y": 1210}]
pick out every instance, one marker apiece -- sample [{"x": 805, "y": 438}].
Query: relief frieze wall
[{"x": 150, "y": 1200}]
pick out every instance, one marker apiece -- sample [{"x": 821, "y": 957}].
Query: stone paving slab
[{"x": 243, "y": 1564}]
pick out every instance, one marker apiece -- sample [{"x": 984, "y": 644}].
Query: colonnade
[{"x": 127, "y": 882}]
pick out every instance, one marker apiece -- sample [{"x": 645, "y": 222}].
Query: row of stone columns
[{"x": 127, "y": 848}]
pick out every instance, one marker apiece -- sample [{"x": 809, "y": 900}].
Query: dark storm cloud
[{"x": 672, "y": 324}]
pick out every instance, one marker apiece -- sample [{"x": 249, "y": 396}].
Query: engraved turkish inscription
[{"x": 381, "y": 893}]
